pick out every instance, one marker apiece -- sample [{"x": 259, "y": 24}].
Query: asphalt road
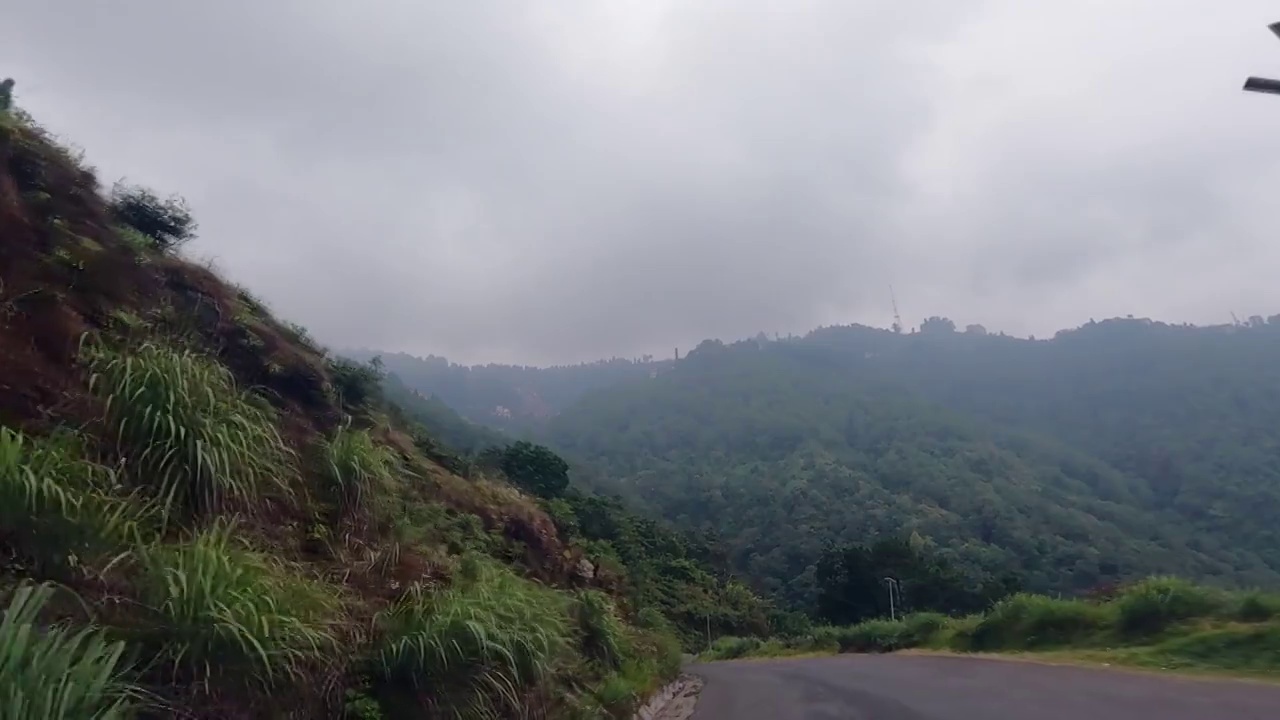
[{"x": 924, "y": 687}]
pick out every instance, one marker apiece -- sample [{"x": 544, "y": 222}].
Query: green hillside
[
  {"x": 204, "y": 514},
  {"x": 1107, "y": 453}
]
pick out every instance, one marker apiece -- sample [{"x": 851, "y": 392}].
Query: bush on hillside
[
  {"x": 356, "y": 470},
  {"x": 58, "y": 510},
  {"x": 730, "y": 647},
  {"x": 872, "y": 636},
  {"x": 222, "y": 611},
  {"x": 477, "y": 645},
  {"x": 535, "y": 468},
  {"x": 1152, "y": 605},
  {"x": 1257, "y": 607},
  {"x": 359, "y": 385},
  {"x": 1033, "y": 621},
  {"x": 602, "y": 635},
  {"x": 167, "y": 222},
  {"x": 185, "y": 431}
]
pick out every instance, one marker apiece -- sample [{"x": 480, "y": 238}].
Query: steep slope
[
  {"x": 203, "y": 514},
  {"x": 784, "y": 447}
]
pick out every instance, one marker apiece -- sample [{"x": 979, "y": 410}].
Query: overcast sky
[{"x": 541, "y": 182}]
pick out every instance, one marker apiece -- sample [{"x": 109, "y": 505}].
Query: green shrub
[
  {"x": 959, "y": 633},
  {"x": 185, "y": 430},
  {"x": 730, "y": 647},
  {"x": 476, "y": 646},
  {"x": 923, "y": 628},
  {"x": 222, "y": 610},
  {"x": 1257, "y": 607},
  {"x": 359, "y": 385},
  {"x": 618, "y": 694},
  {"x": 602, "y": 634},
  {"x": 58, "y": 508},
  {"x": 667, "y": 653},
  {"x": 1150, "y": 606},
  {"x": 137, "y": 242},
  {"x": 1032, "y": 621},
  {"x": 166, "y": 222},
  {"x": 56, "y": 673},
  {"x": 358, "y": 705},
  {"x": 357, "y": 470},
  {"x": 873, "y": 636}
]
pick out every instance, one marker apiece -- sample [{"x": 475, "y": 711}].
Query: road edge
[{"x": 673, "y": 702}]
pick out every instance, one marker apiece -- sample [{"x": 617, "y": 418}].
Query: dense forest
[{"x": 1109, "y": 452}]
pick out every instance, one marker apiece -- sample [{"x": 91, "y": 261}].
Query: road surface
[{"x": 927, "y": 687}]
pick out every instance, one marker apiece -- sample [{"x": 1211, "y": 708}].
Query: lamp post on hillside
[
  {"x": 1265, "y": 85},
  {"x": 895, "y": 592}
]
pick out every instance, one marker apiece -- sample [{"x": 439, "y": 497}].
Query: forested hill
[{"x": 1113, "y": 450}]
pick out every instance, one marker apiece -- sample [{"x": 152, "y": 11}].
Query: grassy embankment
[
  {"x": 204, "y": 514},
  {"x": 1160, "y": 623}
]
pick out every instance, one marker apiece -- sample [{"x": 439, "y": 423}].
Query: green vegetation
[
  {"x": 1007, "y": 485},
  {"x": 357, "y": 470},
  {"x": 857, "y": 583},
  {"x": 1118, "y": 450},
  {"x": 1158, "y": 622},
  {"x": 166, "y": 223},
  {"x": 482, "y": 643},
  {"x": 680, "y": 576},
  {"x": 187, "y": 430},
  {"x": 57, "y": 673},
  {"x": 780, "y": 451},
  {"x": 240, "y": 524},
  {"x": 223, "y": 610},
  {"x": 59, "y": 510}
]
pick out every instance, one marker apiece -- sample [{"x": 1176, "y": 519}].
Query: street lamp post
[
  {"x": 1265, "y": 85},
  {"x": 895, "y": 593}
]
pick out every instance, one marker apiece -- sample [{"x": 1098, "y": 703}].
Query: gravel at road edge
[{"x": 681, "y": 704}]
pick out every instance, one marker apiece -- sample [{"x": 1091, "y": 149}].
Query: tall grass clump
[
  {"x": 602, "y": 636},
  {"x": 1252, "y": 648},
  {"x": 474, "y": 649},
  {"x": 1152, "y": 605},
  {"x": 183, "y": 428},
  {"x": 873, "y": 636},
  {"x": 356, "y": 468},
  {"x": 1033, "y": 621},
  {"x": 222, "y": 610},
  {"x": 729, "y": 647},
  {"x": 55, "y": 673},
  {"x": 924, "y": 628},
  {"x": 58, "y": 508}
]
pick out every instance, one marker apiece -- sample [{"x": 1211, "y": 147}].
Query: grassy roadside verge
[
  {"x": 1161, "y": 624},
  {"x": 1140, "y": 660}
]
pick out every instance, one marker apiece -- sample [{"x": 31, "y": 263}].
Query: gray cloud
[{"x": 558, "y": 181}]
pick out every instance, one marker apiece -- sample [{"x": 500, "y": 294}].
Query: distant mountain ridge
[
  {"x": 1116, "y": 449},
  {"x": 508, "y": 397}
]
